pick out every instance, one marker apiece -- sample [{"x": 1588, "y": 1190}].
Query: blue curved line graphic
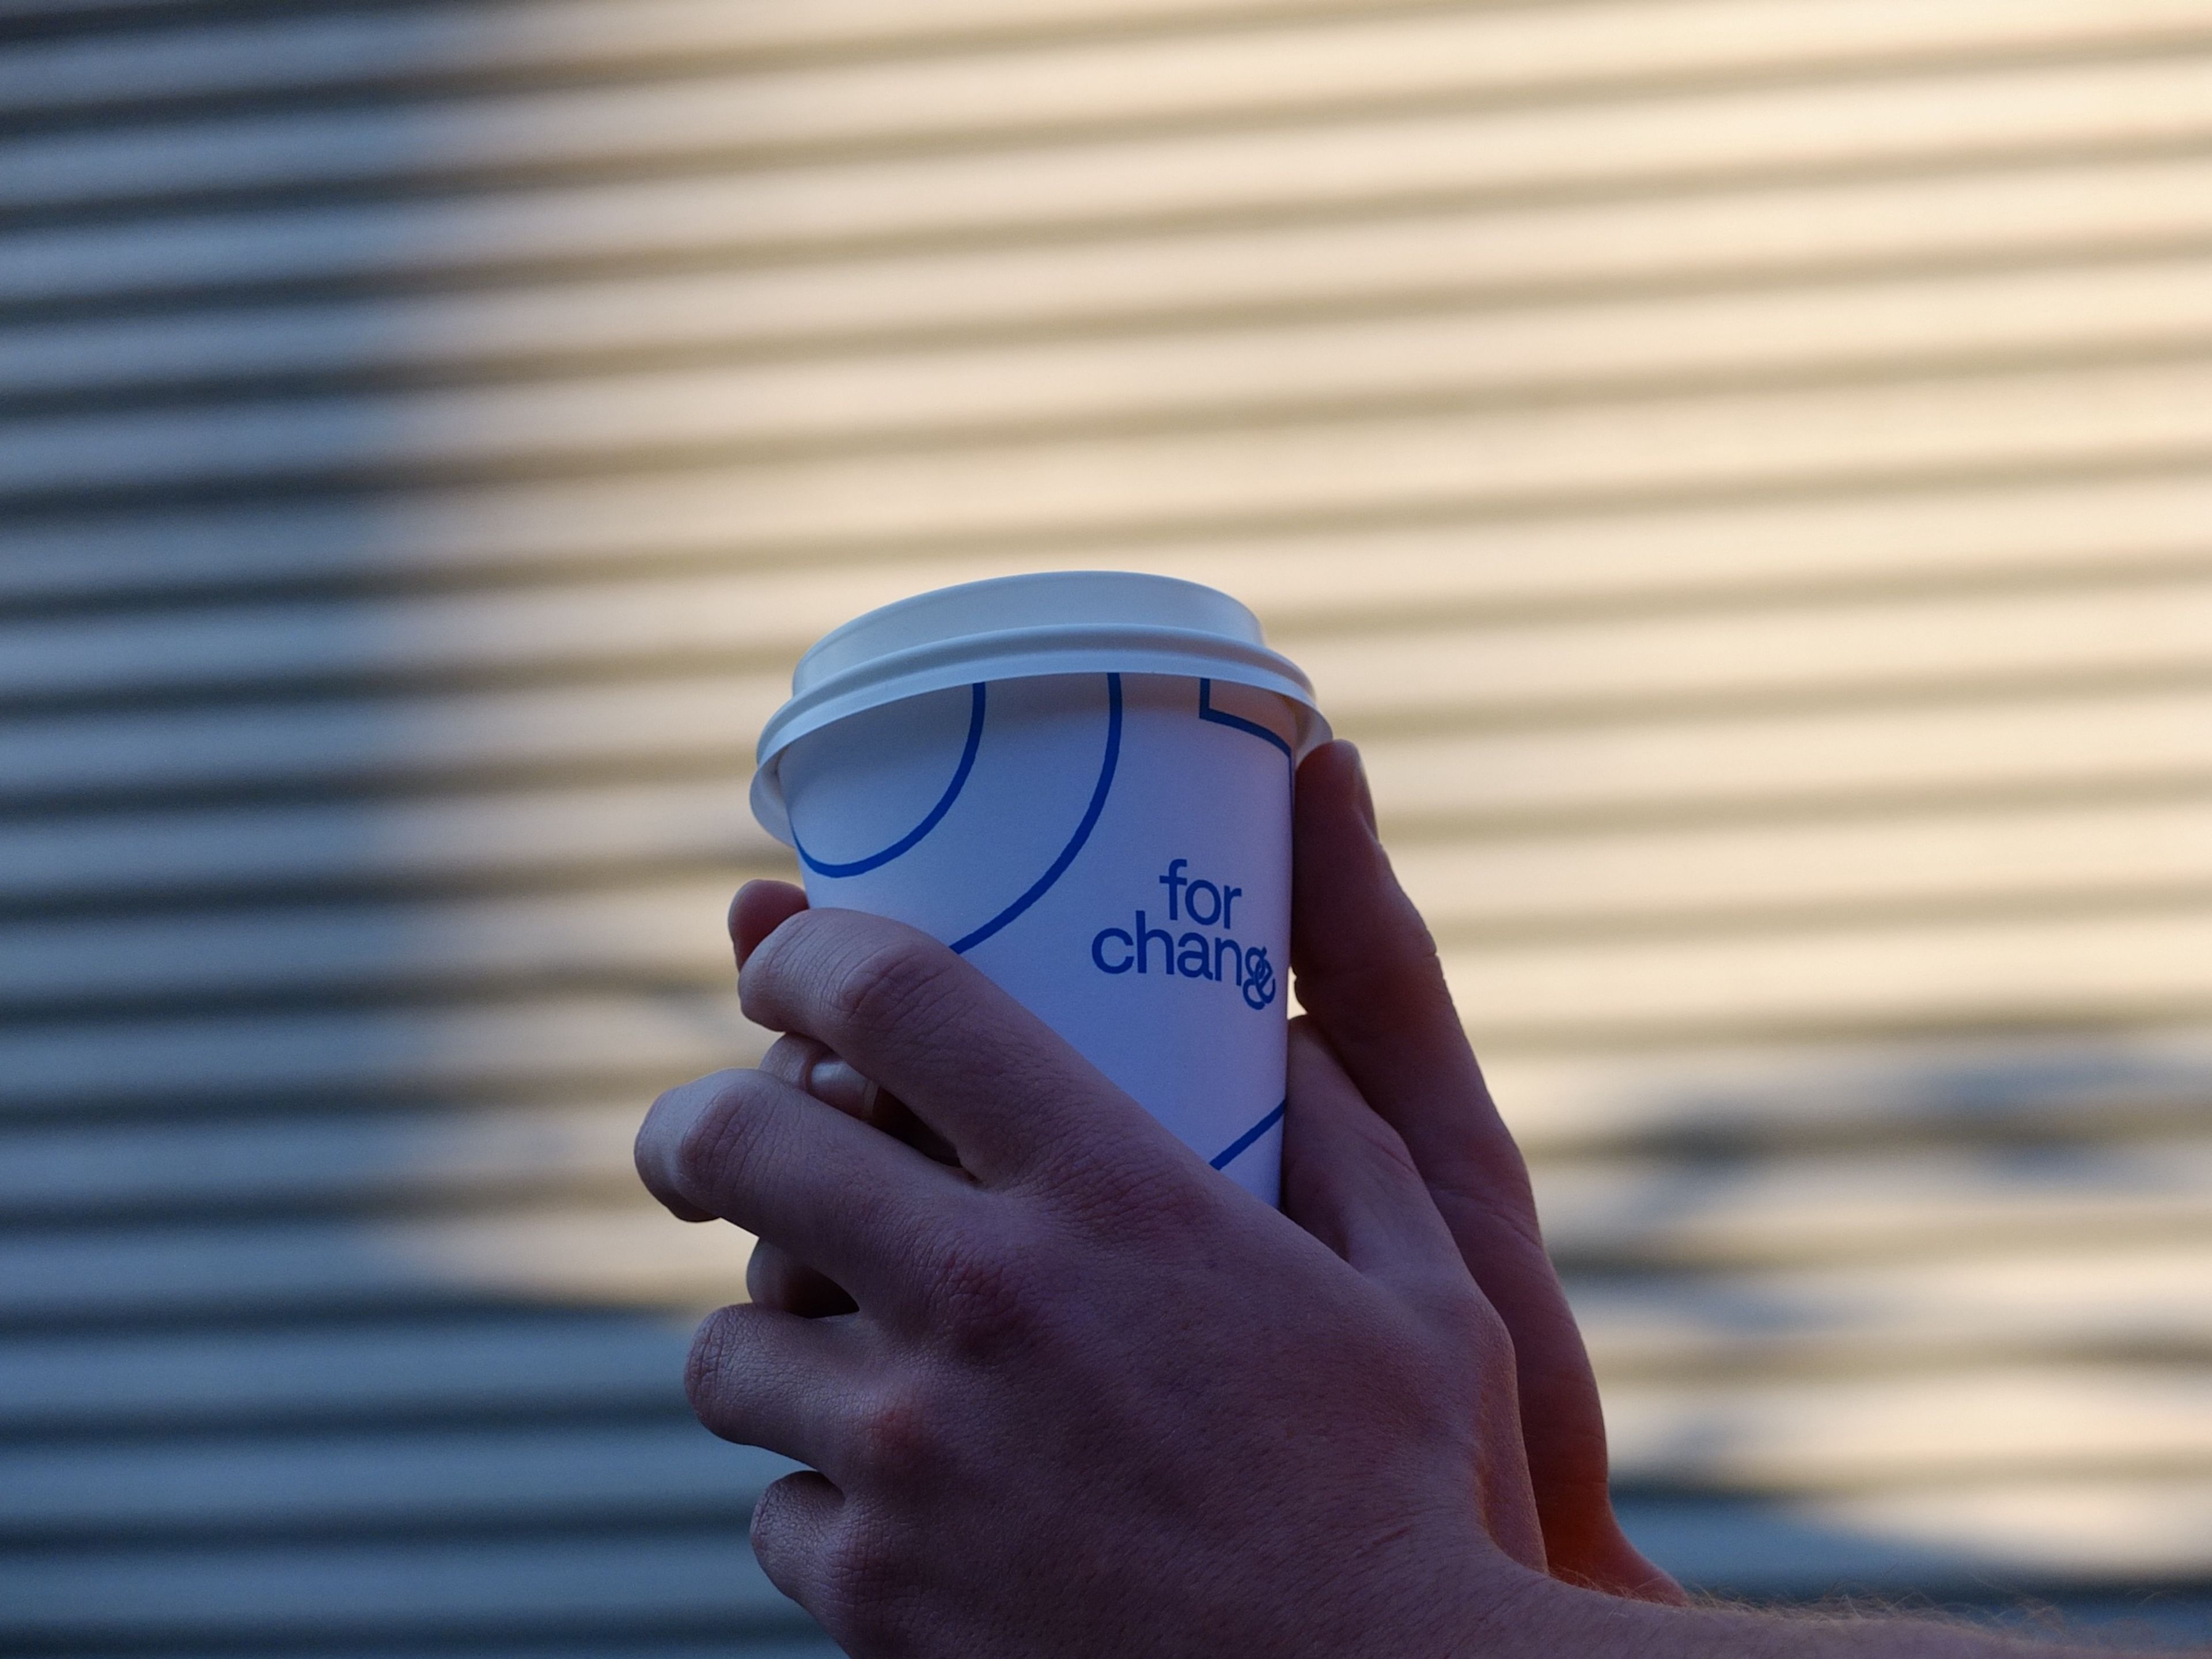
[
  {"x": 908, "y": 842},
  {"x": 1236, "y": 1148},
  {"x": 1044, "y": 881},
  {"x": 1207, "y": 711}
]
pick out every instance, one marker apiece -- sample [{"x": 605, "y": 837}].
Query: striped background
[{"x": 1739, "y": 467}]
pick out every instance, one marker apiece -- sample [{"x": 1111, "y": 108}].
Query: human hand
[
  {"x": 1089, "y": 1396},
  {"x": 1369, "y": 978}
]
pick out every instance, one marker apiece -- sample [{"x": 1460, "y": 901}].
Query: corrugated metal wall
[{"x": 1738, "y": 466}]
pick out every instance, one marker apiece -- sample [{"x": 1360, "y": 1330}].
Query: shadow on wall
[{"x": 1930, "y": 1325}]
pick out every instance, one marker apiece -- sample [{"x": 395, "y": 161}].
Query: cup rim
[{"x": 1161, "y": 643}]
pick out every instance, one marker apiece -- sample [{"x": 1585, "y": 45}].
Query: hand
[
  {"x": 1368, "y": 976},
  {"x": 1089, "y": 1397}
]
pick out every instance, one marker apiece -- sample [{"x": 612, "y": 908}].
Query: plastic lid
[{"x": 1067, "y": 622}]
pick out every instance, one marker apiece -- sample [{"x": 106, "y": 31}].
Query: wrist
[
  {"x": 1534, "y": 1616},
  {"x": 1551, "y": 1617}
]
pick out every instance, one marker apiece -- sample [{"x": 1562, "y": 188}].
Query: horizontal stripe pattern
[{"x": 1738, "y": 469}]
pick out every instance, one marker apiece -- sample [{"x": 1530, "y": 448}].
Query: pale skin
[{"x": 1066, "y": 1391}]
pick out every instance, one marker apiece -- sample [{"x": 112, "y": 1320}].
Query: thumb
[{"x": 1368, "y": 974}]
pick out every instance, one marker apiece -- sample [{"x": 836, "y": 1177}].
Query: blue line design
[
  {"x": 1207, "y": 711},
  {"x": 912, "y": 839},
  {"x": 1082, "y": 830},
  {"x": 1243, "y": 1144}
]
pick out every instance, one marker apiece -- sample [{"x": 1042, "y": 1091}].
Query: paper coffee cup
[{"x": 1081, "y": 782}]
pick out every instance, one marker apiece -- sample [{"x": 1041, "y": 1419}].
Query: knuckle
[
  {"x": 1140, "y": 1201},
  {"x": 1469, "y": 1337},
  {"x": 900, "y": 1437},
  {"x": 644, "y": 1148},
  {"x": 704, "y": 1367},
  {"x": 986, "y": 1292},
  {"x": 714, "y": 1149},
  {"x": 887, "y": 986},
  {"x": 767, "y": 1529},
  {"x": 1483, "y": 1329}
]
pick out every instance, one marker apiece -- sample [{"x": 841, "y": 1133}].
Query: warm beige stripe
[
  {"x": 1866, "y": 1432},
  {"x": 1141, "y": 86},
  {"x": 638, "y": 1254},
  {"x": 1501, "y": 256},
  {"x": 2060, "y": 1295},
  {"x": 1304, "y": 50},
  {"x": 492, "y": 1155},
  {"x": 1260, "y": 374},
  {"x": 2121, "y": 1532},
  {"x": 630, "y": 1252}
]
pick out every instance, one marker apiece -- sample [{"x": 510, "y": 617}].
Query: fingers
[
  {"x": 774, "y": 1277},
  {"x": 794, "y": 1528},
  {"x": 988, "y": 1075},
  {"x": 759, "y": 908},
  {"x": 1348, "y": 1179},
  {"x": 806, "y": 1064},
  {"x": 777, "y": 1279},
  {"x": 766, "y": 1378},
  {"x": 781, "y": 1165}
]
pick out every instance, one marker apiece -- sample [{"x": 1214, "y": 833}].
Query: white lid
[{"x": 1061, "y": 621}]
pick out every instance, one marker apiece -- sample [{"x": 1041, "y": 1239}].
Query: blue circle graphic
[
  {"x": 1043, "y": 882},
  {"x": 913, "y": 837}
]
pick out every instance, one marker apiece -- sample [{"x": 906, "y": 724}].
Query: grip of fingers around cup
[{"x": 836, "y": 1082}]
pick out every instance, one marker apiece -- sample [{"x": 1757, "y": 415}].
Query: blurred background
[{"x": 1739, "y": 468}]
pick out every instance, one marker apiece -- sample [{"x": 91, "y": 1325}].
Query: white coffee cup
[{"x": 1080, "y": 781}]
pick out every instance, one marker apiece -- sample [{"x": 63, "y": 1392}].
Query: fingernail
[{"x": 835, "y": 1083}]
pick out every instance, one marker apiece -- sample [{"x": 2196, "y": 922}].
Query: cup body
[{"x": 1112, "y": 849}]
